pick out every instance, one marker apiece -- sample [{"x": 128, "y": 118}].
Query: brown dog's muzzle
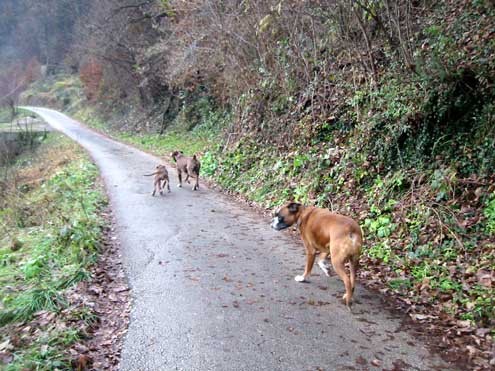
[{"x": 278, "y": 223}]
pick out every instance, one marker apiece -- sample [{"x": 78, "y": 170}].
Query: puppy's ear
[{"x": 294, "y": 207}]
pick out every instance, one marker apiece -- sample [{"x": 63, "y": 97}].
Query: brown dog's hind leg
[
  {"x": 196, "y": 185},
  {"x": 353, "y": 267},
  {"x": 339, "y": 266}
]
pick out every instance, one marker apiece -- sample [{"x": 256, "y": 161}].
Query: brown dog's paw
[{"x": 300, "y": 278}]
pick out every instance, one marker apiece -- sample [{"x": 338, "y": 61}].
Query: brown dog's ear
[{"x": 294, "y": 207}]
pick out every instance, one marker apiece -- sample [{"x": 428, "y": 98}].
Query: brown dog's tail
[
  {"x": 356, "y": 238},
  {"x": 194, "y": 157}
]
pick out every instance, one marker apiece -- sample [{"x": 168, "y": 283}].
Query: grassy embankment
[{"x": 51, "y": 232}]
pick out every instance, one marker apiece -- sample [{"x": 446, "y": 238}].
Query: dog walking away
[
  {"x": 328, "y": 234},
  {"x": 160, "y": 179},
  {"x": 189, "y": 166}
]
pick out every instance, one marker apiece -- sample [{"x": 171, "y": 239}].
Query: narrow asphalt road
[{"x": 213, "y": 286}]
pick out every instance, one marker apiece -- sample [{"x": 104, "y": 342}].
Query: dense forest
[{"x": 383, "y": 110}]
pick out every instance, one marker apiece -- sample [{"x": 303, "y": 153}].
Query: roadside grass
[
  {"x": 51, "y": 232},
  {"x": 163, "y": 145}
]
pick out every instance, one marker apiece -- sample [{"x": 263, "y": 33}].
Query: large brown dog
[
  {"x": 189, "y": 166},
  {"x": 329, "y": 234},
  {"x": 160, "y": 179}
]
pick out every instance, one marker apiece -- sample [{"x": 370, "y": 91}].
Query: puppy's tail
[{"x": 150, "y": 174}]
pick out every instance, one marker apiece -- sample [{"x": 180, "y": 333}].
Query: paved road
[{"x": 213, "y": 288}]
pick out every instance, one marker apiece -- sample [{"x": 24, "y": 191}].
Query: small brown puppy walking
[
  {"x": 161, "y": 178},
  {"x": 189, "y": 166},
  {"x": 329, "y": 234}
]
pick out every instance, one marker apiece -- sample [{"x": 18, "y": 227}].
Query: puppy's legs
[
  {"x": 179, "y": 174},
  {"x": 310, "y": 261},
  {"x": 339, "y": 266},
  {"x": 160, "y": 187},
  {"x": 154, "y": 187},
  {"x": 196, "y": 185},
  {"x": 164, "y": 183},
  {"x": 323, "y": 263},
  {"x": 168, "y": 185}
]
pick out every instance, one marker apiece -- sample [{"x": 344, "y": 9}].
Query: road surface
[{"x": 213, "y": 286}]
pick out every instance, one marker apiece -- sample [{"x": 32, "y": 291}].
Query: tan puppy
[
  {"x": 329, "y": 234},
  {"x": 189, "y": 166},
  {"x": 161, "y": 178}
]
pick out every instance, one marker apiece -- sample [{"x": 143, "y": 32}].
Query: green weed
[{"x": 489, "y": 213}]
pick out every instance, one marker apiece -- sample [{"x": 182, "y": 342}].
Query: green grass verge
[
  {"x": 51, "y": 231},
  {"x": 163, "y": 145}
]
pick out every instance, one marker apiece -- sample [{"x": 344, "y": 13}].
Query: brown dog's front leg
[{"x": 310, "y": 260}]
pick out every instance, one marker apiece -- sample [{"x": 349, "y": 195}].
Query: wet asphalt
[{"x": 213, "y": 285}]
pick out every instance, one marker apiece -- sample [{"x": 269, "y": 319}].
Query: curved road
[{"x": 213, "y": 286}]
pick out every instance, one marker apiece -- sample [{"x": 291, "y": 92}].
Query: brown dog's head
[
  {"x": 176, "y": 154},
  {"x": 286, "y": 216}
]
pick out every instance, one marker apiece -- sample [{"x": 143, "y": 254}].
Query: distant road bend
[{"x": 213, "y": 286}]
